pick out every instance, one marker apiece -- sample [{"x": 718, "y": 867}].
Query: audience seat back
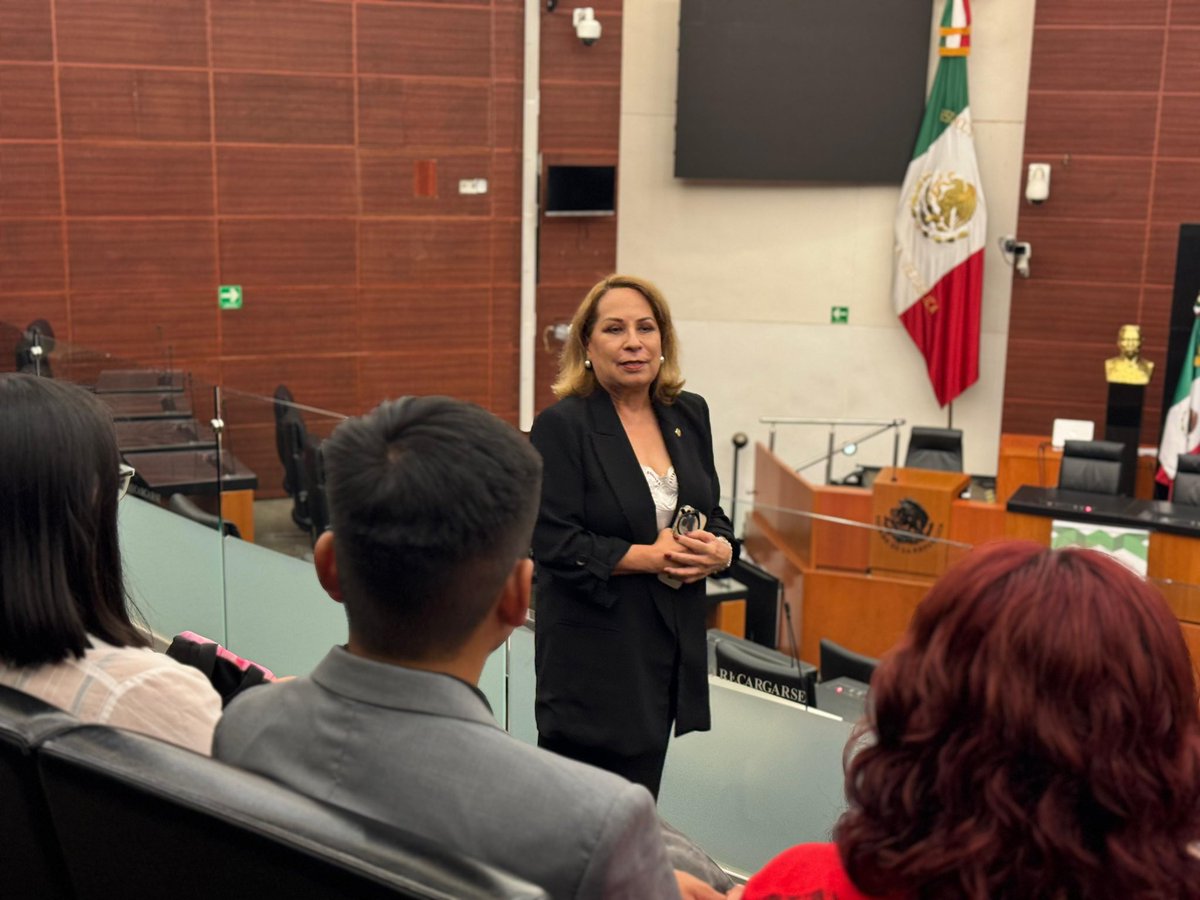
[
  {"x": 138, "y": 817},
  {"x": 30, "y": 862}
]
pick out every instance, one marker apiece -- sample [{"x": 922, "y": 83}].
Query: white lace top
[{"x": 665, "y": 491}]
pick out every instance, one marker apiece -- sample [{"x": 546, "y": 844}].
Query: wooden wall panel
[
  {"x": 29, "y": 174},
  {"x": 1119, "y": 126},
  {"x": 27, "y": 103},
  {"x": 288, "y": 251},
  {"x": 296, "y": 321},
  {"x": 31, "y": 256},
  {"x": 132, "y": 32},
  {"x": 424, "y": 251},
  {"x": 252, "y": 108},
  {"x": 1183, "y": 61},
  {"x": 286, "y": 181},
  {"x": 435, "y": 371},
  {"x": 458, "y": 317},
  {"x": 124, "y": 104},
  {"x": 1179, "y": 131},
  {"x": 1096, "y": 59},
  {"x": 1185, "y": 12},
  {"x": 149, "y": 326},
  {"x": 282, "y": 35},
  {"x": 1123, "y": 125},
  {"x": 1099, "y": 187},
  {"x": 138, "y": 180},
  {"x": 1100, "y": 12},
  {"x": 388, "y": 185},
  {"x": 1176, "y": 190},
  {"x": 396, "y": 39},
  {"x": 25, "y": 30},
  {"x": 423, "y": 115},
  {"x": 135, "y": 254}
]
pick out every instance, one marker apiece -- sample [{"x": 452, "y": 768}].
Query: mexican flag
[
  {"x": 1181, "y": 430},
  {"x": 941, "y": 225}
]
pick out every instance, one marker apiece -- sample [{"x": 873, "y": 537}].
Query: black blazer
[{"x": 617, "y": 656}]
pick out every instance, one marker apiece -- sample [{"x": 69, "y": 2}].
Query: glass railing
[{"x": 851, "y": 563}]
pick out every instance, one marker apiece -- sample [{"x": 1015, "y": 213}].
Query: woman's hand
[
  {"x": 697, "y": 555},
  {"x": 648, "y": 558}
]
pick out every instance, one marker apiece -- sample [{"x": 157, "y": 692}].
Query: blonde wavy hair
[{"x": 577, "y": 380}]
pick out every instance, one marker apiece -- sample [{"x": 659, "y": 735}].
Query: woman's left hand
[{"x": 701, "y": 554}]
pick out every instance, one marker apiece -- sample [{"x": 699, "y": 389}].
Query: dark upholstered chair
[
  {"x": 291, "y": 435},
  {"x": 1091, "y": 466},
  {"x": 1187, "y": 480},
  {"x": 138, "y": 817},
  {"x": 935, "y": 448},
  {"x": 838, "y": 662},
  {"x": 30, "y": 862}
]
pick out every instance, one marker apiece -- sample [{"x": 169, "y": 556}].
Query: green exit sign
[
  {"x": 229, "y": 296},
  {"x": 839, "y": 315}
]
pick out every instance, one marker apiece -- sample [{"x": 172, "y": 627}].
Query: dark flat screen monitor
[
  {"x": 800, "y": 90},
  {"x": 581, "y": 190}
]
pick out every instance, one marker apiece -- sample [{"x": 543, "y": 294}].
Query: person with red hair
[{"x": 1035, "y": 734}]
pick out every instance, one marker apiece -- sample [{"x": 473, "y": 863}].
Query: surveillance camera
[
  {"x": 1037, "y": 183},
  {"x": 1022, "y": 266},
  {"x": 587, "y": 29}
]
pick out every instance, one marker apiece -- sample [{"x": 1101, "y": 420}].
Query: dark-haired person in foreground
[
  {"x": 432, "y": 504},
  {"x": 1034, "y": 736},
  {"x": 66, "y": 636}
]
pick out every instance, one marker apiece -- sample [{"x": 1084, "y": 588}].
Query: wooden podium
[
  {"x": 821, "y": 542},
  {"x": 914, "y": 507}
]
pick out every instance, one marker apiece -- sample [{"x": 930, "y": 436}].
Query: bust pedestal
[{"x": 1123, "y": 422}]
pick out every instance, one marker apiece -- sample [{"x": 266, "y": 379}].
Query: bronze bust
[{"x": 1129, "y": 367}]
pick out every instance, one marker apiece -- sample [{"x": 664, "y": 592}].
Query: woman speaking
[{"x": 630, "y": 526}]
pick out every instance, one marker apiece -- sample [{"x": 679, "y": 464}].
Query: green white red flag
[
  {"x": 1181, "y": 430},
  {"x": 941, "y": 224}
]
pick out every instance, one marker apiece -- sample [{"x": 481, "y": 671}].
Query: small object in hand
[{"x": 687, "y": 519}]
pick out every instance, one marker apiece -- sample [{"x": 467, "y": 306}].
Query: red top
[{"x": 804, "y": 872}]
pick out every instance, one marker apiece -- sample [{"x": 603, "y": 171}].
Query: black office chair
[
  {"x": 186, "y": 507},
  {"x": 935, "y": 448},
  {"x": 838, "y": 662},
  {"x": 312, "y": 480},
  {"x": 139, "y": 817},
  {"x": 31, "y": 864},
  {"x": 291, "y": 434},
  {"x": 1186, "y": 490},
  {"x": 1091, "y": 466}
]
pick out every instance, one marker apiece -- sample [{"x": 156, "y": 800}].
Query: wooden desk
[
  {"x": 194, "y": 472},
  {"x": 818, "y": 541},
  {"x": 159, "y": 405}
]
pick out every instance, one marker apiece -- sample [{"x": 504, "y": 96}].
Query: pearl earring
[
  {"x": 662, "y": 359},
  {"x": 587, "y": 363}
]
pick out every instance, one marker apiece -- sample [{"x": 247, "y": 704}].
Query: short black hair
[
  {"x": 432, "y": 500},
  {"x": 60, "y": 564}
]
